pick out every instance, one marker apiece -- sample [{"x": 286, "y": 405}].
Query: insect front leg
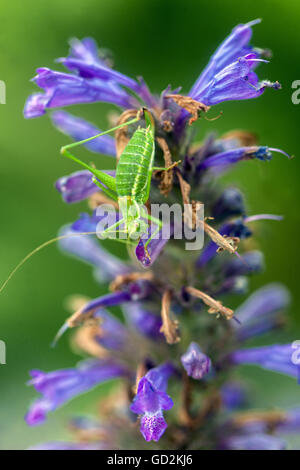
[
  {"x": 156, "y": 231},
  {"x": 107, "y": 182}
]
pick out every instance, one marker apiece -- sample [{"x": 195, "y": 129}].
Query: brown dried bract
[
  {"x": 185, "y": 189},
  {"x": 224, "y": 243},
  {"x": 169, "y": 326},
  {"x": 121, "y": 134},
  {"x": 77, "y": 317},
  {"x": 215, "y": 305},
  {"x": 140, "y": 372},
  {"x": 166, "y": 183},
  {"x": 245, "y": 138},
  {"x": 97, "y": 199},
  {"x": 86, "y": 340},
  {"x": 192, "y": 106},
  {"x": 123, "y": 279}
]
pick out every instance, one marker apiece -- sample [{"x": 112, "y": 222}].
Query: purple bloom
[
  {"x": 59, "y": 387},
  {"x": 79, "y": 129},
  {"x": 144, "y": 321},
  {"x": 84, "y": 60},
  {"x": 235, "y": 45},
  {"x": 261, "y": 311},
  {"x": 62, "y": 89},
  {"x": 77, "y": 186},
  {"x": 277, "y": 358},
  {"x": 195, "y": 362},
  {"x": 87, "y": 249},
  {"x": 151, "y": 400},
  {"x": 237, "y": 81},
  {"x": 233, "y": 156}
]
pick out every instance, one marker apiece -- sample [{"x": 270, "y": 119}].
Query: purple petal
[
  {"x": 153, "y": 426},
  {"x": 151, "y": 399},
  {"x": 60, "y": 386},
  {"x": 195, "y": 362},
  {"x": 63, "y": 89},
  {"x": 237, "y": 81},
  {"x": 234, "y": 46},
  {"x": 77, "y": 186},
  {"x": 277, "y": 358}
]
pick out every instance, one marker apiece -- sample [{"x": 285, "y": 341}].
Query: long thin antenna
[{"x": 44, "y": 245}]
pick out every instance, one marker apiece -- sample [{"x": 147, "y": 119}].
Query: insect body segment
[
  {"x": 131, "y": 186},
  {"x": 134, "y": 170}
]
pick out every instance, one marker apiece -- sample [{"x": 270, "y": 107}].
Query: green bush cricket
[{"x": 131, "y": 185}]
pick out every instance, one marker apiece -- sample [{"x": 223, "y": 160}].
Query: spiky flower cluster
[{"x": 176, "y": 348}]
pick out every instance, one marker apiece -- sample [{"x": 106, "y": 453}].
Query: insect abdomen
[{"x": 136, "y": 161}]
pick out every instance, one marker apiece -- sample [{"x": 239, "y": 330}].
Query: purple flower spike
[
  {"x": 151, "y": 400},
  {"x": 79, "y": 129},
  {"x": 58, "y": 387},
  {"x": 195, "y": 362},
  {"x": 277, "y": 358}
]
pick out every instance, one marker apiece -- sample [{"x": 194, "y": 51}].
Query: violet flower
[
  {"x": 261, "y": 312},
  {"x": 195, "y": 362},
  {"x": 151, "y": 400},
  {"x": 276, "y": 358},
  {"x": 59, "y": 387}
]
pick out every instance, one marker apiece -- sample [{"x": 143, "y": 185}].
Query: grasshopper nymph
[{"x": 131, "y": 185}]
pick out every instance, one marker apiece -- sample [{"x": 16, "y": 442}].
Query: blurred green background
[{"x": 165, "y": 41}]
